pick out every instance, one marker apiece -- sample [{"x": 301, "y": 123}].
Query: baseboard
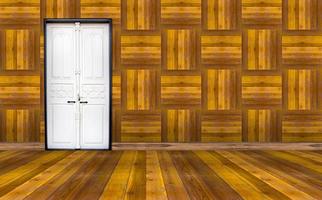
[
  {"x": 22, "y": 146},
  {"x": 182, "y": 146},
  {"x": 217, "y": 146}
]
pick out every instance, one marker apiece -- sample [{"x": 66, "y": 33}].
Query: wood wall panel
[
  {"x": 221, "y": 50},
  {"x": 61, "y": 8},
  {"x": 301, "y": 89},
  {"x": 140, "y": 14},
  {"x": 302, "y": 50},
  {"x": 20, "y": 125},
  {"x": 141, "y": 89},
  {"x": 183, "y": 70},
  {"x": 18, "y": 49},
  {"x": 101, "y": 9},
  {"x": 222, "y": 89},
  {"x": 143, "y": 127},
  {"x": 261, "y": 49},
  {"x": 181, "y": 12},
  {"x": 19, "y": 90},
  {"x": 261, "y": 126},
  {"x": 19, "y": 12},
  {"x": 141, "y": 50},
  {"x": 221, "y": 14},
  {"x": 181, "y": 49},
  {"x": 221, "y": 127},
  {"x": 262, "y": 90},
  {"x": 116, "y": 89},
  {"x": 302, "y": 14},
  {"x": 182, "y": 125},
  {"x": 262, "y": 12},
  {"x": 300, "y": 127},
  {"x": 181, "y": 90}
]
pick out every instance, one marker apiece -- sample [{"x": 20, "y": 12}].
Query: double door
[{"x": 77, "y": 85}]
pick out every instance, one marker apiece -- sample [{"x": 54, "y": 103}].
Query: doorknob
[
  {"x": 83, "y": 102},
  {"x": 71, "y": 101}
]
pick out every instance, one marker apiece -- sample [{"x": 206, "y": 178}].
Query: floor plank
[
  {"x": 116, "y": 186},
  {"x": 222, "y": 174},
  {"x": 258, "y": 171}
]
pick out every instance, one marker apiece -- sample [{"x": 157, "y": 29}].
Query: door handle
[
  {"x": 71, "y": 101},
  {"x": 83, "y": 102}
]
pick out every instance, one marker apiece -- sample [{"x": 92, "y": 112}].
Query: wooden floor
[{"x": 155, "y": 175}]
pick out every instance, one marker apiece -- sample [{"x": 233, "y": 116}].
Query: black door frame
[{"x": 81, "y": 20}]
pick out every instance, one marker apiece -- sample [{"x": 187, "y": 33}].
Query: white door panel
[
  {"x": 78, "y": 72},
  {"x": 94, "y": 45},
  {"x": 93, "y": 126},
  {"x": 94, "y": 86},
  {"x": 62, "y": 52},
  {"x": 61, "y": 131},
  {"x": 61, "y": 86}
]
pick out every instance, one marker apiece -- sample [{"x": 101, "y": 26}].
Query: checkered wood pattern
[
  {"x": 183, "y": 70},
  {"x": 181, "y": 125},
  {"x": 261, "y": 125}
]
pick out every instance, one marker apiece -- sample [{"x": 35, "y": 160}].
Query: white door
[
  {"x": 77, "y": 75},
  {"x": 94, "y": 86}
]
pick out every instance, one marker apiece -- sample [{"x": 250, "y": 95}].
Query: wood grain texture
[
  {"x": 261, "y": 49},
  {"x": 141, "y": 127},
  {"x": 101, "y": 9},
  {"x": 262, "y": 90},
  {"x": 261, "y": 126},
  {"x": 19, "y": 90},
  {"x": 221, "y": 127},
  {"x": 302, "y": 14},
  {"x": 221, "y": 14},
  {"x": 20, "y": 125},
  {"x": 222, "y": 89},
  {"x": 180, "y": 12},
  {"x": 116, "y": 89},
  {"x": 141, "y": 50},
  {"x": 181, "y": 49},
  {"x": 18, "y": 51},
  {"x": 301, "y": 93},
  {"x": 61, "y": 8},
  {"x": 19, "y": 12},
  {"x": 180, "y": 90},
  {"x": 170, "y": 146},
  {"x": 262, "y": 12},
  {"x": 141, "y": 87},
  {"x": 302, "y": 127},
  {"x": 301, "y": 50},
  {"x": 221, "y": 50},
  {"x": 199, "y": 63},
  {"x": 160, "y": 175},
  {"x": 140, "y": 14},
  {"x": 182, "y": 125}
]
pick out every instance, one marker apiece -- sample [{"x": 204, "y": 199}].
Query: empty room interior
[{"x": 161, "y": 99}]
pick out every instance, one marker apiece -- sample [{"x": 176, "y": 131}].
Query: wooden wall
[{"x": 184, "y": 70}]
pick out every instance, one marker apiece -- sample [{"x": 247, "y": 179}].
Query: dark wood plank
[
  {"x": 22, "y": 174},
  {"x": 94, "y": 186},
  {"x": 195, "y": 187},
  {"x": 137, "y": 181},
  {"x": 174, "y": 185},
  {"x": 67, "y": 175},
  {"x": 291, "y": 176},
  {"x": 217, "y": 185}
]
